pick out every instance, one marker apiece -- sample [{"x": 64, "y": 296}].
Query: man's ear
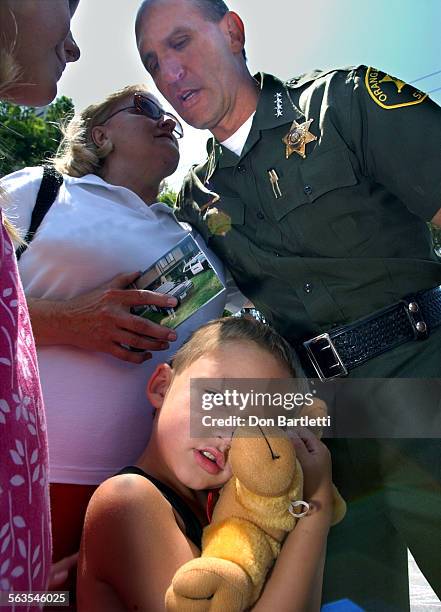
[
  {"x": 99, "y": 136},
  {"x": 158, "y": 385},
  {"x": 233, "y": 26}
]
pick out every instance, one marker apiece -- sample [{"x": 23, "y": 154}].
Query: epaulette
[{"x": 308, "y": 77}]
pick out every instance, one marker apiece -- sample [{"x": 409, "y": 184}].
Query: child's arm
[
  {"x": 131, "y": 548},
  {"x": 296, "y": 581}
]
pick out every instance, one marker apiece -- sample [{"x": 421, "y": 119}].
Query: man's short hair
[{"x": 214, "y": 10}]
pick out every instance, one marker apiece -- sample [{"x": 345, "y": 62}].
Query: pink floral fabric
[{"x": 25, "y": 537}]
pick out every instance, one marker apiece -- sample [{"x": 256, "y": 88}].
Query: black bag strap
[{"x": 49, "y": 188}]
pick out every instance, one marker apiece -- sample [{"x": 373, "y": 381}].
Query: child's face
[{"x": 186, "y": 456}]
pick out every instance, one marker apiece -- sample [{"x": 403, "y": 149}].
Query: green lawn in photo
[
  {"x": 151, "y": 315},
  {"x": 205, "y": 286}
]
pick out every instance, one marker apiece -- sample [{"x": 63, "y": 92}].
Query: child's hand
[
  {"x": 59, "y": 571},
  {"x": 315, "y": 460}
]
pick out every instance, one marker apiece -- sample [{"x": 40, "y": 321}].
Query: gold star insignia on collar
[{"x": 298, "y": 137}]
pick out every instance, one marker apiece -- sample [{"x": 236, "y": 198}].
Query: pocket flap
[
  {"x": 326, "y": 172},
  {"x": 320, "y": 174}
]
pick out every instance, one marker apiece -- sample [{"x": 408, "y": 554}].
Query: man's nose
[
  {"x": 172, "y": 70},
  {"x": 71, "y": 49}
]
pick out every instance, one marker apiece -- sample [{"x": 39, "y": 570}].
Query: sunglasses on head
[{"x": 147, "y": 107}]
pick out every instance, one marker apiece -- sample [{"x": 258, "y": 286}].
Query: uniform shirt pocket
[
  {"x": 318, "y": 175},
  {"x": 319, "y": 190}
]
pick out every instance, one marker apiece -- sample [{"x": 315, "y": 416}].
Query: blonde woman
[
  {"x": 103, "y": 228},
  {"x": 35, "y": 45}
]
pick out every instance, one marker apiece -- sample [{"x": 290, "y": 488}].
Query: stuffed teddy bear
[{"x": 250, "y": 521}]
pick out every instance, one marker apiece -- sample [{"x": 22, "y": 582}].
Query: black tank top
[{"x": 193, "y": 528}]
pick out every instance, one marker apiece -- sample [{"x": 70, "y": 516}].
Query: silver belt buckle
[{"x": 324, "y": 357}]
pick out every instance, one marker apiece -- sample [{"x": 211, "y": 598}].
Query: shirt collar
[
  {"x": 94, "y": 179},
  {"x": 274, "y": 108},
  {"x": 88, "y": 179}
]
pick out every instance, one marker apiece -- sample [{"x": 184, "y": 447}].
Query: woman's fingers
[
  {"x": 141, "y": 297},
  {"x": 142, "y": 343},
  {"x": 144, "y": 327},
  {"x": 101, "y": 321},
  {"x": 125, "y": 354}
]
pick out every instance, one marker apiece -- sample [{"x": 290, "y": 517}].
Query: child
[{"x": 144, "y": 523}]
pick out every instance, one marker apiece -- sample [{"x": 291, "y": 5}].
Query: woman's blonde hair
[
  {"x": 78, "y": 154},
  {"x": 9, "y": 73},
  {"x": 9, "y": 69}
]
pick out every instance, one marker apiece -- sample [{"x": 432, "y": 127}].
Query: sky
[{"x": 283, "y": 37}]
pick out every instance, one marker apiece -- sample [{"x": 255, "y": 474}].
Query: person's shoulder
[
  {"x": 20, "y": 190},
  {"x": 194, "y": 197},
  {"x": 341, "y": 76},
  {"x": 334, "y": 88},
  {"x": 125, "y": 517},
  {"x": 379, "y": 88},
  {"x": 24, "y": 178},
  {"x": 126, "y": 494},
  {"x": 121, "y": 508}
]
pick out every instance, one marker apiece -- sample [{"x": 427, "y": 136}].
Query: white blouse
[{"x": 98, "y": 417}]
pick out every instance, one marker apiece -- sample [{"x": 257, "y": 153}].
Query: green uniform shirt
[{"x": 347, "y": 234}]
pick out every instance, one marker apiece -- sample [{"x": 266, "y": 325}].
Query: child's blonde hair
[{"x": 216, "y": 333}]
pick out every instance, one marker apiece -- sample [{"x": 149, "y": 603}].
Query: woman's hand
[
  {"x": 315, "y": 460},
  {"x": 101, "y": 321}
]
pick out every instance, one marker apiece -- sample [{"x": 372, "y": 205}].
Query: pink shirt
[{"x": 25, "y": 536}]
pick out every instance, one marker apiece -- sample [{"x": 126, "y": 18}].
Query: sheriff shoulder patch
[{"x": 389, "y": 92}]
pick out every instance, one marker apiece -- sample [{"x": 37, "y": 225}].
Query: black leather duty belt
[{"x": 342, "y": 349}]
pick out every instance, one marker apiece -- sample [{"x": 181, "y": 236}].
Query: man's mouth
[{"x": 187, "y": 96}]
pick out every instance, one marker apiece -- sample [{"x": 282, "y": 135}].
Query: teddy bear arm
[
  {"x": 209, "y": 585},
  {"x": 245, "y": 544}
]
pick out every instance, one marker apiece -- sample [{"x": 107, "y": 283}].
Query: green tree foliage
[
  {"x": 167, "y": 195},
  {"x": 29, "y": 136}
]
